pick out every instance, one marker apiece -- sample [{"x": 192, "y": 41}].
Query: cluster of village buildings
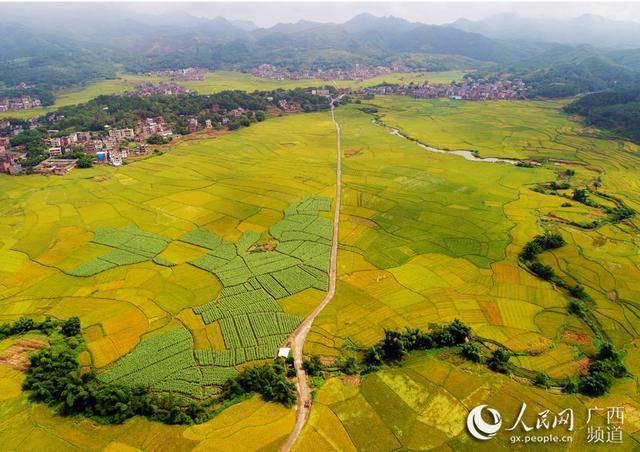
[
  {"x": 466, "y": 90},
  {"x": 189, "y": 74},
  {"x": 19, "y": 103},
  {"x": 107, "y": 148},
  {"x": 358, "y": 72},
  {"x": 161, "y": 89},
  {"x": 103, "y": 148},
  {"x": 111, "y": 147},
  {"x": 16, "y": 129}
]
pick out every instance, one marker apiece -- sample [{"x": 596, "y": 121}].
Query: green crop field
[{"x": 186, "y": 266}]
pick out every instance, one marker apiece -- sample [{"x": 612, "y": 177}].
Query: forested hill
[
  {"x": 617, "y": 111},
  {"x": 566, "y": 71},
  {"x": 104, "y": 41}
]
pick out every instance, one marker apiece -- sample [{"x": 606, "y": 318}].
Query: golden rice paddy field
[
  {"x": 428, "y": 237},
  {"x": 424, "y": 237},
  {"x": 423, "y": 405},
  {"x": 234, "y": 186}
]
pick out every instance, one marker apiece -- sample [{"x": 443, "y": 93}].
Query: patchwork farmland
[{"x": 187, "y": 268}]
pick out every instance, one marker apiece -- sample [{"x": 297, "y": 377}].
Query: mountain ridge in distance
[{"x": 585, "y": 29}]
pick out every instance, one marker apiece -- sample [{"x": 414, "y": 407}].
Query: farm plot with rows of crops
[
  {"x": 251, "y": 320},
  {"x": 130, "y": 245},
  {"x": 165, "y": 362}
]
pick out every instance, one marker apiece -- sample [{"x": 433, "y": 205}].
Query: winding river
[{"x": 467, "y": 155}]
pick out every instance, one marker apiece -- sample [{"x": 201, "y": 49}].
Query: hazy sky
[{"x": 268, "y": 13}]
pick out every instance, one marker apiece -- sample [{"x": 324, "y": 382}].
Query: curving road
[{"x": 299, "y": 336}]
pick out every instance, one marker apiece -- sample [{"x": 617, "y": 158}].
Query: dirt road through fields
[{"x": 299, "y": 336}]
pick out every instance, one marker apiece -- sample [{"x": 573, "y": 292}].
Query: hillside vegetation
[{"x": 617, "y": 111}]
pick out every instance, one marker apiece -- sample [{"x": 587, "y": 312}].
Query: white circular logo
[{"x": 480, "y": 429}]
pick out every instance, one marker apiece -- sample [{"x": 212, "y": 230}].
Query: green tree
[
  {"x": 542, "y": 380},
  {"x": 499, "y": 361},
  {"x": 313, "y": 366},
  {"x": 71, "y": 327},
  {"x": 471, "y": 351},
  {"x": 580, "y": 195}
]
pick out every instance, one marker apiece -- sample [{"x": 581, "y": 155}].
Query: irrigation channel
[{"x": 299, "y": 336}]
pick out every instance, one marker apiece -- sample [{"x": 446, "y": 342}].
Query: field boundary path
[{"x": 299, "y": 336}]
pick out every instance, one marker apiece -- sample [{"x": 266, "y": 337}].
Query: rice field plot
[
  {"x": 249, "y": 337},
  {"x": 423, "y": 404},
  {"x": 428, "y": 237}
]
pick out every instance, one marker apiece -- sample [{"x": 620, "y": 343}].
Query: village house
[
  {"x": 237, "y": 112},
  {"x": 187, "y": 74},
  {"x": 154, "y": 126},
  {"x": 162, "y": 89},
  {"x": 9, "y": 160},
  {"x": 82, "y": 137},
  {"x": 192, "y": 125},
  {"x": 121, "y": 134},
  {"x": 58, "y": 167},
  {"x": 465, "y": 90},
  {"x": 19, "y": 103},
  {"x": 289, "y": 108},
  {"x": 116, "y": 156},
  {"x": 358, "y": 72}
]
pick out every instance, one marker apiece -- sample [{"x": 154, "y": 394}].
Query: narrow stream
[{"x": 467, "y": 155}]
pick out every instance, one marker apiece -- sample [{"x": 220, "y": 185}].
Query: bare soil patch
[
  {"x": 353, "y": 380},
  {"x": 582, "y": 366},
  {"x": 351, "y": 152},
  {"x": 575, "y": 338},
  {"x": 363, "y": 221},
  {"x": 17, "y": 356},
  {"x": 328, "y": 360}
]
